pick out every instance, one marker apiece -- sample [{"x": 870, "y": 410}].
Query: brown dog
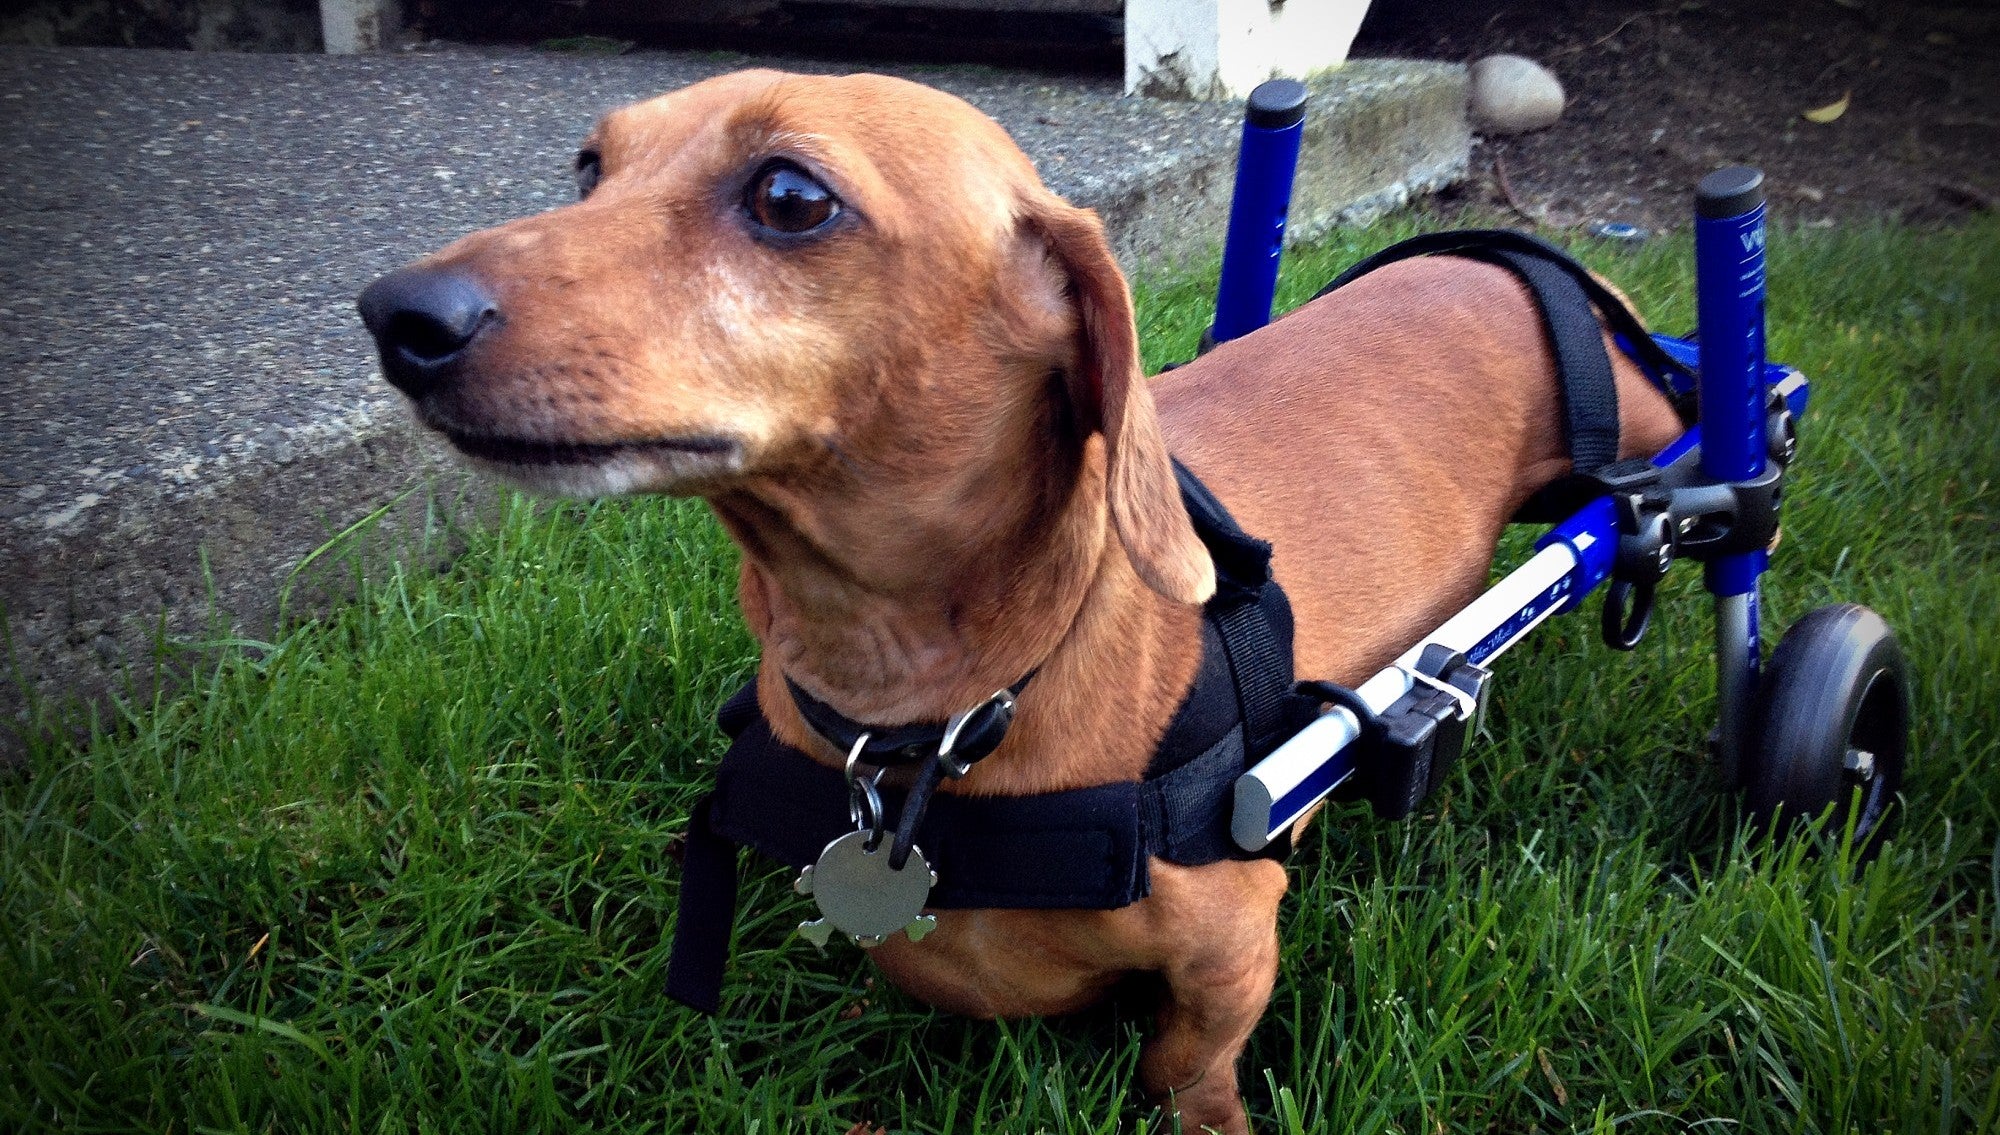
[{"x": 846, "y": 312}]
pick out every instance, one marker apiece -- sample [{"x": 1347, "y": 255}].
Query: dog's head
[{"x": 774, "y": 279}]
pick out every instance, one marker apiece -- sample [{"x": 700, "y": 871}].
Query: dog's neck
[{"x": 898, "y": 600}]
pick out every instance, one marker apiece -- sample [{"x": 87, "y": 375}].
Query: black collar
[{"x": 964, "y": 737}]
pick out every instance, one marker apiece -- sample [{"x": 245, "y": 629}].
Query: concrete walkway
[{"x": 188, "y": 404}]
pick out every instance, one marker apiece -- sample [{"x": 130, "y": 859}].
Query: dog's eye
[
  {"x": 589, "y": 167},
  {"x": 788, "y": 199}
]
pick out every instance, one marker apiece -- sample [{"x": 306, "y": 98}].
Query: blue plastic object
[
  {"x": 1729, "y": 308},
  {"x": 1729, "y": 302},
  {"x": 1591, "y": 533},
  {"x": 1272, "y": 127}
]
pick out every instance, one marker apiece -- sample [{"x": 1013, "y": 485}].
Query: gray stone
[
  {"x": 189, "y": 407},
  {"x": 1513, "y": 95}
]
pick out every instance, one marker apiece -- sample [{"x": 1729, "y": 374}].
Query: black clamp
[
  {"x": 1407, "y": 750},
  {"x": 1646, "y": 548},
  {"x": 1673, "y": 512},
  {"x": 1781, "y": 430}
]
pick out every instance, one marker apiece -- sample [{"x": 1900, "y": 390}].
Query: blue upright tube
[
  {"x": 1729, "y": 300},
  {"x": 1272, "y": 127},
  {"x": 1729, "y": 297}
]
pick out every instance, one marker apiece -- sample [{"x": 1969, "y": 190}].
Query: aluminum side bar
[{"x": 1316, "y": 760}]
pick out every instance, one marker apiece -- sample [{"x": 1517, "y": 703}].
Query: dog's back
[{"x": 1380, "y": 437}]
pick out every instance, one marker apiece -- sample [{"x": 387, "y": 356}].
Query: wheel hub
[{"x": 1860, "y": 765}]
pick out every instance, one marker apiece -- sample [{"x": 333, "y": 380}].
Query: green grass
[{"x": 409, "y": 868}]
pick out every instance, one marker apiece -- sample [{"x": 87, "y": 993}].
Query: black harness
[
  {"x": 1081, "y": 849},
  {"x": 1088, "y": 848}
]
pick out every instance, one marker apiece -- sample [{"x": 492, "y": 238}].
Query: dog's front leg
[{"x": 1217, "y": 985}]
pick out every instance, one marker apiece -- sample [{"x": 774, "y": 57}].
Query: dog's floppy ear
[{"x": 1110, "y": 395}]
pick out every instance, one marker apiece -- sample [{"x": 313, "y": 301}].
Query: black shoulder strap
[
  {"x": 1252, "y": 620},
  {"x": 1589, "y": 392},
  {"x": 1570, "y": 301},
  {"x": 706, "y": 913},
  {"x": 1637, "y": 340}
]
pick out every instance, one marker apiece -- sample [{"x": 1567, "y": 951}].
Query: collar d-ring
[
  {"x": 864, "y": 799},
  {"x": 972, "y": 734}
]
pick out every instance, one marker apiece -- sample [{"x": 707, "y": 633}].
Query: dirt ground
[{"x": 1662, "y": 91}]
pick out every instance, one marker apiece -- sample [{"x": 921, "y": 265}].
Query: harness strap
[
  {"x": 707, "y": 912},
  {"x": 1589, "y": 393},
  {"x": 1674, "y": 378},
  {"x": 1263, "y": 673},
  {"x": 1185, "y": 814},
  {"x": 1570, "y": 301},
  {"x": 1081, "y": 849},
  {"x": 1253, "y": 622}
]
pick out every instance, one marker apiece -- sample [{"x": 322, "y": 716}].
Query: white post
[
  {"x": 351, "y": 26},
  {"x": 1217, "y": 49}
]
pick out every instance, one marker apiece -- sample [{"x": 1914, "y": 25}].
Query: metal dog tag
[{"x": 860, "y": 895}]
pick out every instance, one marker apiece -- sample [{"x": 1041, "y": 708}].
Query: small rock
[{"x": 1513, "y": 95}]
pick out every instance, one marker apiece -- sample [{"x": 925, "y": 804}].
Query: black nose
[{"x": 423, "y": 319}]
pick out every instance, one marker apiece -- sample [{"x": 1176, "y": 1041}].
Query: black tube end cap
[
  {"x": 1277, "y": 103},
  {"x": 1729, "y": 192}
]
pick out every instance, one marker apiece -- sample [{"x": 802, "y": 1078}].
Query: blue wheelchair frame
[{"x": 1576, "y": 557}]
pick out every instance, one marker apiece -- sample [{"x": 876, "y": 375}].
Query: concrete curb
[
  {"x": 199, "y": 410},
  {"x": 1378, "y": 134}
]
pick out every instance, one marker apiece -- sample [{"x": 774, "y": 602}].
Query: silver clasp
[
  {"x": 952, "y": 766},
  {"x": 864, "y": 800}
]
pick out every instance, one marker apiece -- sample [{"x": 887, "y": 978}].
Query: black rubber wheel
[{"x": 1833, "y": 717}]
